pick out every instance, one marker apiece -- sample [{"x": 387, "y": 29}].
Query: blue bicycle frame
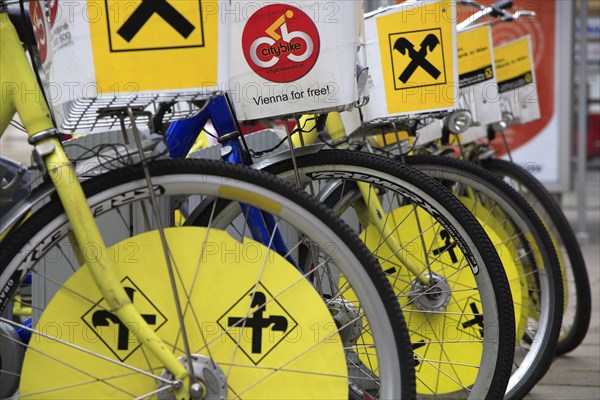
[{"x": 181, "y": 136}]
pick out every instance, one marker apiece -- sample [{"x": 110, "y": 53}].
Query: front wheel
[
  {"x": 445, "y": 272},
  {"x": 578, "y": 298},
  {"x": 252, "y": 325},
  {"x": 528, "y": 257}
]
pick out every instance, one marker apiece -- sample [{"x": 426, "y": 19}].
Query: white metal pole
[
  {"x": 371, "y": 5},
  {"x": 582, "y": 115}
]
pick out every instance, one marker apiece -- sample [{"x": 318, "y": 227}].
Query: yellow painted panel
[
  {"x": 154, "y": 45},
  {"x": 514, "y": 63},
  {"x": 474, "y": 56},
  {"x": 417, "y": 49}
]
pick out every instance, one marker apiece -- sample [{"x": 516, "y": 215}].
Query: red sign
[
  {"x": 39, "y": 29},
  {"x": 53, "y": 10},
  {"x": 280, "y": 43}
]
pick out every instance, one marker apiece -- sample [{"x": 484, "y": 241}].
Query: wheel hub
[
  {"x": 347, "y": 319},
  {"x": 432, "y": 297},
  {"x": 209, "y": 382}
]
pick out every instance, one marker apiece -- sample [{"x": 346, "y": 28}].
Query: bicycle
[
  {"x": 134, "y": 350},
  {"x": 577, "y": 312},
  {"x": 531, "y": 361},
  {"x": 362, "y": 178},
  {"x": 519, "y": 236},
  {"x": 466, "y": 178},
  {"x": 516, "y": 224}
]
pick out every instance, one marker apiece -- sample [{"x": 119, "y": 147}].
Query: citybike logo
[{"x": 280, "y": 43}]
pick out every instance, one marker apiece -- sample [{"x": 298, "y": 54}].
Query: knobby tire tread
[
  {"x": 563, "y": 228},
  {"x": 547, "y": 354}
]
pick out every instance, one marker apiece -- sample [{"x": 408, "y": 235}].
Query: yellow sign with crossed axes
[
  {"x": 142, "y": 45},
  {"x": 417, "y": 57}
]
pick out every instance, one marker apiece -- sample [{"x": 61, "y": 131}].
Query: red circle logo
[{"x": 280, "y": 43}]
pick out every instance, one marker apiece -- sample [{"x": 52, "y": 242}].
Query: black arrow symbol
[
  {"x": 143, "y": 13},
  {"x": 104, "y": 318}
]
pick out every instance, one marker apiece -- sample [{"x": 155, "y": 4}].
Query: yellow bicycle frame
[{"x": 18, "y": 83}]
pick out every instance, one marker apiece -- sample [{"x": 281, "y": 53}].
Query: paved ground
[{"x": 575, "y": 376}]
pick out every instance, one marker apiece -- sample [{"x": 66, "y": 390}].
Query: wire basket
[{"x": 91, "y": 114}]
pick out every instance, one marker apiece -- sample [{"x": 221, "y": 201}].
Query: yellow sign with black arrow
[{"x": 142, "y": 45}]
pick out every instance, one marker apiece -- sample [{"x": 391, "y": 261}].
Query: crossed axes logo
[{"x": 418, "y": 58}]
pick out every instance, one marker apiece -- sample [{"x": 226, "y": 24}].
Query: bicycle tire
[
  {"x": 180, "y": 181},
  {"x": 576, "y": 319},
  {"x": 535, "y": 351},
  {"x": 391, "y": 176}
]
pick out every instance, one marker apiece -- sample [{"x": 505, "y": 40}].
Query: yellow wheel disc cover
[
  {"x": 563, "y": 267},
  {"x": 284, "y": 350},
  {"x": 448, "y": 342},
  {"x": 503, "y": 237}
]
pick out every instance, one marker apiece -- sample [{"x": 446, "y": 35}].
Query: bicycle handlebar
[
  {"x": 496, "y": 10},
  {"x": 500, "y": 6}
]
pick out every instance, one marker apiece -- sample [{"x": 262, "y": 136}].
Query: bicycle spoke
[{"x": 81, "y": 349}]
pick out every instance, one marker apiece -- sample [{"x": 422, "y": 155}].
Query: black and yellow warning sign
[
  {"x": 475, "y": 56},
  {"x": 417, "y": 57},
  {"x": 286, "y": 324},
  {"x": 142, "y": 45},
  {"x": 112, "y": 332},
  {"x": 420, "y": 346},
  {"x": 514, "y": 64},
  {"x": 154, "y": 25},
  {"x": 447, "y": 251},
  {"x": 471, "y": 319},
  {"x": 257, "y": 322}
]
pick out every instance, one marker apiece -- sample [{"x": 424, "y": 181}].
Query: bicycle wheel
[
  {"x": 459, "y": 282},
  {"x": 502, "y": 209},
  {"x": 578, "y": 301},
  {"x": 252, "y": 325}
]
